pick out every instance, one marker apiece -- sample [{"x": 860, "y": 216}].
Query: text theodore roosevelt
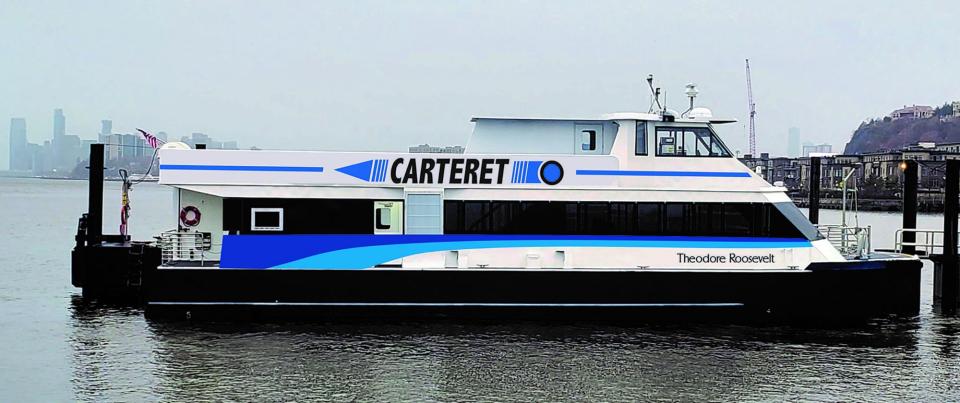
[{"x": 728, "y": 258}]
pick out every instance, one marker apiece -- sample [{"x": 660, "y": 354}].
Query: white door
[
  {"x": 388, "y": 217},
  {"x": 424, "y": 213}
]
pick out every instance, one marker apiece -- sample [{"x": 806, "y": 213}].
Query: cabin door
[
  {"x": 588, "y": 139},
  {"x": 424, "y": 212}
]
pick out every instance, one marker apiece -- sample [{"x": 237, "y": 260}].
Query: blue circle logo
[{"x": 551, "y": 172}]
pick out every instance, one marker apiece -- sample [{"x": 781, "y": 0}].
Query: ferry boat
[{"x": 620, "y": 216}]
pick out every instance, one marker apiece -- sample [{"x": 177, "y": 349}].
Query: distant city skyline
[{"x": 60, "y": 153}]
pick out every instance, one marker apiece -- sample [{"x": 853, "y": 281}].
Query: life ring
[{"x": 190, "y": 216}]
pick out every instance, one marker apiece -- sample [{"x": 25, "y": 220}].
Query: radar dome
[
  {"x": 175, "y": 145},
  {"x": 700, "y": 113}
]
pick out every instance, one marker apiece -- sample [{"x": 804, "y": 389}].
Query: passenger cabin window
[
  {"x": 689, "y": 142},
  {"x": 780, "y": 220},
  {"x": 641, "y": 148},
  {"x": 266, "y": 219}
]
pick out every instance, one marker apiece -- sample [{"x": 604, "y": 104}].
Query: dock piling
[
  {"x": 946, "y": 279},
  {"x": 909, "y": 208},
  {"x": 95, "y": 196},
  {"x": 814, "y": 210}
]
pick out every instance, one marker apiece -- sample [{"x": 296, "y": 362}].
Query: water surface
[{"x": 54, "y": 347}]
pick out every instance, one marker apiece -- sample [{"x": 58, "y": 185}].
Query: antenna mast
[{"x": 752, "y": 108}]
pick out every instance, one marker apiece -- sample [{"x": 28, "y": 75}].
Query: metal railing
[
  {"x": 187, "y": 246},
  {"x": 852, "y": 242},
  {"x": 926, "y": 241}
]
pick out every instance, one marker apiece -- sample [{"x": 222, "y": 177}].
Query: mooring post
[
  {"x": 909, "y": 207},
  {"x": 946, "y": 282},
  {"x": 814, "y": 209},
  {"x": 95, "y": 196}
]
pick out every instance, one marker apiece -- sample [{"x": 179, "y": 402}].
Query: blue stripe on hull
[
  {"x": 701, "y": 174},
  {"x": 364, "y": 251},
  {"x": 255, "y": 168}
]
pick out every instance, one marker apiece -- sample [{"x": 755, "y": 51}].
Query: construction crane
[{"x": 752, "y": 108}]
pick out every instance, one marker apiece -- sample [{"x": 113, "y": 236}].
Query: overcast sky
[{"x": 384, "y": 75}]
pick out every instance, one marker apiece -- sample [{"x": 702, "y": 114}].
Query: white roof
[{"x": 610, "y": 117}]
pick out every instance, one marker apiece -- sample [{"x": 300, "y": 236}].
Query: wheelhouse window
[
  {"x": 266, "y": 219},
  {"x": 689, "y": 142},
  {"x": 641, "y": 148},
  {"x": 588, "y": 140}
]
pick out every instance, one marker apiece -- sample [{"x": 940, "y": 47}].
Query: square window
[{"x": 266, "y": 219}]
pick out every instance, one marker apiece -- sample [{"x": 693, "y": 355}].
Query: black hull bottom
[{"x": 823, "y": 293}]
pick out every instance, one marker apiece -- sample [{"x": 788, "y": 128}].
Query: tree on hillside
[{"x": 945, "y": 110}]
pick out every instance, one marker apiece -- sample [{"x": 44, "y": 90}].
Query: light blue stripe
[
  {"x": 369, "y": 256},
  {"x": 259, "y": 168},
  {"x": 704, "y": 174},
  {"x": 381, "y": 170}
]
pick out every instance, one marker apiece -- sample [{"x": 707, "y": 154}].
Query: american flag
[{"x": 152, "y": 140}]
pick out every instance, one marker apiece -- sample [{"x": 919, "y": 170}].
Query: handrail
[
  {"x": 851, "y": 242},
  {"x": 190, "y": 246},
  {"x": 927, "y": 241}
]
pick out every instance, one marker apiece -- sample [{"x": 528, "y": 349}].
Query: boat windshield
[{"x": 689, "y": 142}]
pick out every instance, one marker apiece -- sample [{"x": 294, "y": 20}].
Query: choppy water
[{"x": 55, "y": 348}]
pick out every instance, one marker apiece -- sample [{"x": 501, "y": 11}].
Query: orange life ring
[{"x": 190, "y": 216}]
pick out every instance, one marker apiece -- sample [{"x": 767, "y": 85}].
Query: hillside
[{"x": 887, "y": 134}]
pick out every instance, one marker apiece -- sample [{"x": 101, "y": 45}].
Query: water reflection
[{"x": 119, "y": 356}]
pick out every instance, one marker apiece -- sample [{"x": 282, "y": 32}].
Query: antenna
[
  {"x": 654, "y": 93},
  {"x": 752, "y": 108},
  {"x": 691, "y": 93}
]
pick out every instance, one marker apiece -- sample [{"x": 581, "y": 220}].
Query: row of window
[
  {"x": 298, "y": 216},
  {"x": 625, "y": 218},
  {"x": 333, "y": 216},
  {"x": 681, "y": 142}
]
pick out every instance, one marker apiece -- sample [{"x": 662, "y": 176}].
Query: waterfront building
[
  {"x": 793, "y": 142},
  {"x": 913, "y": 112},
  {"x": 816, "y": 149},
  {"x": 19, "y": 158},
  {"x": 879, "y": 170},
  {"x": 426, "y": 148},
  {"x": 106, "y": 129},
  {"x": 59, "y": 124}
]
